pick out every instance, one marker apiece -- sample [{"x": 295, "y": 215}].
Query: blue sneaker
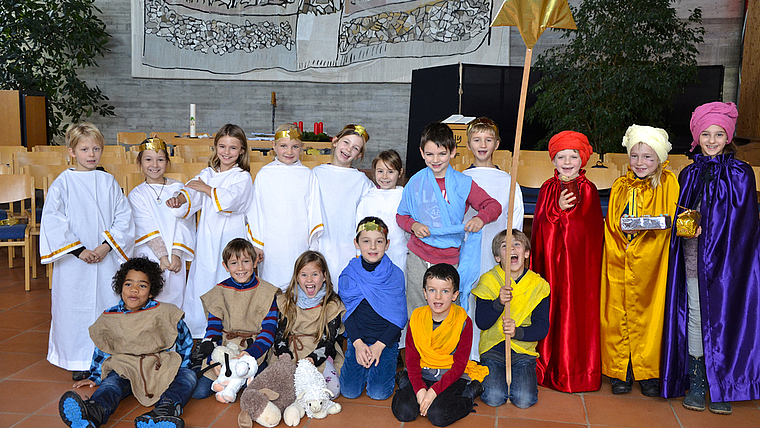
[
  {"x": 164, "y": 415},
  {"x": 78, "y": 413}
]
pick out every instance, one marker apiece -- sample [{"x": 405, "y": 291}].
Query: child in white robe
[
  {"x": 285, "y": 217},
  {"x": 482, "y": 140},
  {"x": 340, "y": 189},
  {"x": 159, "y": 235},
  {"x": 223, "y": 193},
  {"x": 86, "y": 232},
  {"x": 382, "y": 201}
]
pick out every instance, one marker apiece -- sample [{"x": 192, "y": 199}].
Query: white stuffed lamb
[
  {"x": 312, "y": 396},
  {"x": 234, "y": 371}
]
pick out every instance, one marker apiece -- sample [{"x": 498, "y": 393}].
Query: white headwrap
[{"x": 656, "y": 138}]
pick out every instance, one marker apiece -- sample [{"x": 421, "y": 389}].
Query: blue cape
[{"x": 384, "y": 288}]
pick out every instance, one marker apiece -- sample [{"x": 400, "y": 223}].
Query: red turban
[{"x": 571, "y": 140}]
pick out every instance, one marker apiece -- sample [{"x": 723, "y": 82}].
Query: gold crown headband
[
  {"x": 483, "y": 121},
  {"x": 359, "y": 130},
  {"x": 371, "y": 226},
  {"x": 290, "y": 134},
  {"x": 154, "y": 144}
]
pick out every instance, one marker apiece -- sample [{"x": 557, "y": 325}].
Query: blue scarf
[
  {"x": 384, "y": 288},
  {"x": 305, "y": 302},
  {"x": 424, "y": 202}
]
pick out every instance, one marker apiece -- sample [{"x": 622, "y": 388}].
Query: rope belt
[{"x": 157, "y": 366}]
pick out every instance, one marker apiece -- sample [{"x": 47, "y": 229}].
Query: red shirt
[{"x": 488, "y": 209}]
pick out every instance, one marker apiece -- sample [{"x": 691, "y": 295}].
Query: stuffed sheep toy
[
  {"x": 312, "y": 396},
  {"x": 268, "y": 394},
  {"x": 234, "y": 371}
]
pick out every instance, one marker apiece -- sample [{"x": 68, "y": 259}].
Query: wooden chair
[
  {"x": 176, "y": 159},
  {"x": 534, "y": 157},
  {"x": 678, "y": 162},
  {"x": 201, "y": 159},
  {"x": 189, "y": 169},
  {"x": 131, "y": 155},
  {"x": 63, "y": 150},
  {"x": 135, "y": 178},
  {"x": 109, "y": 159},
  {"x": 114, "y": 150},
  {"x": 6, "y": 169},
  {"x": 311, "y": 163},
  {"x": 256, "y": 167},
  {"x": 130, "y": 138},
  {"x": 7, "y": 154},
  {"x": 36, "y": 158},
  {"x": 603, "y": 177},
  {"x": 166, "y": 136},
  {"x": 534, "y": 176},
  {"x": 120, "y": 171},
  {"x": 188, "y": 152},
  {"x": 41, "y": 172},
  {"x": 620, "y": 159},
  {"x": 18, "y": 188},
  {"x": 503, "y": 159},
  {"x": 322, "y": 159}
]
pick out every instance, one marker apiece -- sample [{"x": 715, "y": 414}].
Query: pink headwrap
[
  {"x": 715, "y": 113},
  {"x": 571, "y": 140}
]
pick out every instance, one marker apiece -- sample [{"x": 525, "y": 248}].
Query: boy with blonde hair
[
  {"x": 432, "y": 209},
  {"x": 285, "y": 217},
  {"x": 86, "y": 232},
  {"x": 528, "y": 322},
  {"x": 483, "y": 140}
]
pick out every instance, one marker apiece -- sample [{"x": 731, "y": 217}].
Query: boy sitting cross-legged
[
  {"x": 528, "y": 322},
  {"x": 440, "y": 382},
  {"x": 132, "y": 351}
]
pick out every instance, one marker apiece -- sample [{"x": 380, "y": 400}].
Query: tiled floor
[{"x": 30, "y": 388}]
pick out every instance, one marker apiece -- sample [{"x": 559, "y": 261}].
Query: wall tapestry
[{"x": 309, "y": 40}]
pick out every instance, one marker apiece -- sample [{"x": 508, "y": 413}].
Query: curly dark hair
[{"x": 144, "y": 265}]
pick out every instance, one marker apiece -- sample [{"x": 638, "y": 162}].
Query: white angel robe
[
  {"x": 496, "y": 183},
  {"x": 153, "y": 219},
  {"x": 340, "y": 190},
  {"x": 82, "y": 209},
  {"x": 285, "y": 218},
  {"x": 384, "y": 204},
  {"x": 222, "y": 219}
]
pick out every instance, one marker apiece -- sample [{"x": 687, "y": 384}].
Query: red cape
[{"x": 567, "y": 252}]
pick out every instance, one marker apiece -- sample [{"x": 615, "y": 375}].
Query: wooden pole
[{"x": 511, "y": 205}]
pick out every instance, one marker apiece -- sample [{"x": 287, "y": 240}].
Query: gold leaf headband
[
  {"x": 290, "y": 134},
  {"x": 483, "y": 121},
  {"x": 153, "y": 143},
  {"x": 359, "y": 130},
  {"x": 371, "y": 226}
]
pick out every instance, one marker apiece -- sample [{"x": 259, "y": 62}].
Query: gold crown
[
  {"x": 371, "y": 226},
  {"x": 291, "y": 134},
  {"x": 483, "y": 121},
  {"x": 153, "y": 143},
  {"x": 359, "y": 130}
]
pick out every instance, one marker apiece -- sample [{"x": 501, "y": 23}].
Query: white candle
[{"x": 192, "y": 120}]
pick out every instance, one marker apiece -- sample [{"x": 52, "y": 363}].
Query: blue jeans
[
  {"x": 524, "y": 391},
  {"x": 114, "y": 388},
  {"x": 380, "y": 379}
]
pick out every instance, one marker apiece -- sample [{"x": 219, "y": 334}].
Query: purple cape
[{"x": 729, "y": 283}]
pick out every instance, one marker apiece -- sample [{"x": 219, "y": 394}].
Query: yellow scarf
[
  {"x": 526, "y": 295},
  {"x": 436, "y": 346}
]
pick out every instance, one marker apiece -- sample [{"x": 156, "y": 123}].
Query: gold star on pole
[{"x": 532, "y": 17}]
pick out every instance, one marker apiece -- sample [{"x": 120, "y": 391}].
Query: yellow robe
[{"x": 634, "y": 276}]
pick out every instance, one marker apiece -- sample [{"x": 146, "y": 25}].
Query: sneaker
[
  {"x": 164, "y": 415},
  {"x": 650, "y": 387},
  {"x": 621, "y": 386},
  {"x": 79, "y": 375},
  {"x": 473, "y": 390},
  {"x": 78, "y": 413},
  {"x": 723, "y": 408}
]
